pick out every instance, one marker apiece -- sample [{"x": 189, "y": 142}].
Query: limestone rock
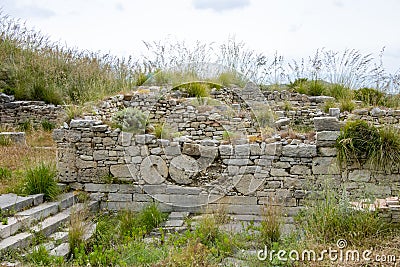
[
  {"x": 326, "y": 124},
  {"x": 153, "y": 170},
  {"x": 183, "y": 168}
]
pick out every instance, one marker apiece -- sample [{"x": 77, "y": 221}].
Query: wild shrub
[
  {"x": 41, "y": 257},
  {"x": 5, "y": 140},
  {"x": 346, "y": 104},
  {"x": 365, "y": 144},
  {"x": 331, "y": 217},
  {"x": 161, "y": 131},
  {"x": 78, "y": 226},
  {"x": 41, "y": 180},
  {"x": 270, "y": 229},
  {"x": 131, "y": 120},
  {"x": 370, "y": 96},
  {"x": 196, "y": 89},
  {"x": 47, "y": 126},
  {"x": 5, "y": 173}
]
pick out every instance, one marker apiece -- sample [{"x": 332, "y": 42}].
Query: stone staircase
[{"x": 25, "y": 218}]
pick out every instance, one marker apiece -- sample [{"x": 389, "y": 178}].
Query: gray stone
[
  {"x": 144, "y": 138},
  {"x": 359, "y": 176},
  {"x": 255, "y": 150},
  {"x": 278, "y": 172},
  {"x": 6, "y": 98},
  {"x": 132, "y": 151},
  {"x": 321, "y": 99},
  {"x": 334, "y": 112},
  {"x": 210, "y": 152},
  {"x": 100, "y": 155},
  {"x": 226, "y": 150},
  {"x": 300, "y": 169},
  {"x": 247, "y": 184},
  {"x": 272, "y": 149},
  {"x": 242, "y": 150},
  {"x": 183, "y": 168},
  {"x": 153, "y": 170},
  {"x": 326, "y": 124},
  {"x": 119, "y": 197},
  {"x": 191, "y": 149},
  {"x": 325, "y": 165},
  {"x": 282, "y": 122},
  {"x": 99, "y": 128},
  {"x": 125, "y": 138},
  {"x": 82, "y": 123},
  {"x": 377, "y": 112},
  {"x": 237, "y": 162},
  {"x": 173, "y": 149},
  {"x": 327, "y": 135},
  {"x": 299, "y": 151},
  {"x": 123, "y": 170},
  {"x": 327, "y": 151}
]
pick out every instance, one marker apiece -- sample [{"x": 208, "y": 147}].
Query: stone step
[
  {"x": 46, "y": 227},
  {"x": 24, "y": 219},
  {"x": 14, "y": 203}
]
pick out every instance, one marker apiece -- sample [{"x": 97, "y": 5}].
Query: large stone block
[
  {"x": 299, "y": 151},
  {"x": 123, "y": 170},
  {"x": 247, "y": 183},
  {"x": 326, "y": 124},
  {"x": 100, "y": 155},
  {"x": 360, "y": 176},
  {"x": 120, "y": 197},
  {"x": 191, "y": 149},
  {"x": 325, "y": 165},
  {"x": 242, "y": 150},
  {"x": 300, "y": 169},
  {"x": 271, "y": 149},
  {"x": 183, "y": 168},
  {"x": 226, "y": 150}
]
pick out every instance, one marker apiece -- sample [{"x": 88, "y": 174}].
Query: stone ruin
[{"x": 200, "y": 170}]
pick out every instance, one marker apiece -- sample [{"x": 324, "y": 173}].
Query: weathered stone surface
[
  {"x": 300, "y": 151},
  {"x": 226, "y": 150},
  {"x": 100, "y": 128},
  {"x": 153, "y": 170},
  {"x": 300, "y": 169},
  {"x": 191, "y": 149},
  {"x": 325, "y": 165},
  {"x": 144, "y": 139},
  {"x": 210, "y": 152},
  {"x": 327, "y": 151},
  {"x": 255, "y": 150},
  {"x": 242, "y": 150},
  {"x": 183, "y": 168},
  {"x": 272, "y": 149},
  {"x": 327, "y": 135},
  {"x": 321, "y": 99},
  {"x": 123, "y": 170},
  {"x": 100, "y": 155},
  {"x": 119, "y": 197},
  {"x": 173, "y": 149},
  {"x": 282, "y": 122},
  {"x": 326, "y": 124},
  {"x": 278, "y": 172},
  {"x": 247, "y": 183},
  {"x": 125, "y": 138},
  {"x": 334, "y": 112},
  {"x": 6, "y": 98},
  {"x": 83, "y": 123},
  {"x": 359, "y": 175}
]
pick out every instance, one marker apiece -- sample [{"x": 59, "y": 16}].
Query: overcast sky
[{"x": 294, "y": 28}]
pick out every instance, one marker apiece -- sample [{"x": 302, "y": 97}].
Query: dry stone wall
[
  {"x": 13, "y": 113},
  {"x": 129, "y": 171}
]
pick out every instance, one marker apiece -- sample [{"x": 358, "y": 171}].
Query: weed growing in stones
[{"x": 40, "y": 180}]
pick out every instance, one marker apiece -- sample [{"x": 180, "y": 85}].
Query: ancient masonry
[
  {"x": 14, "y": 113},
  {"x": 200, "y": 171}
]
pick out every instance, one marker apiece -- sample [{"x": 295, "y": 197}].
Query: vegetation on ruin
[{"x": 363, "y": 143}]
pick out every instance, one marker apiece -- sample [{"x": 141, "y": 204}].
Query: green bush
[
  {"x": 25, "y": 126},
  {"x": 47, "y": 126},
  {"x": 5, "y": 140},
  {"x": 41, "y": 257},
  {"x": 40, "y": 180},
  {"x": 370, "y": 96},
  {"x": 270, "y": 229},
  {"x": 340, "y": 92},
  {"x": 131, "y": 120},
  {"x": 196, "y": 89},
  {"x": 5, "y": 173},
  {"x": 346, "y": 104},
  {"x": 161, "y": 131},
  {"x": 329, "y": 104},
  {"x": 331, "y": 218},
  {"x": 365, "y": 144},
  {"x": 313, "y": 88}
]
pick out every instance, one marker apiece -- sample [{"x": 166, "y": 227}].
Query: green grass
[
  {"x": 40, "y": 180},
  {"x": 379, "y": 149},
  {"x": 331, "y": 217},
  {"x": 47, "y": 126},
  {"x": 5, "y": 140}
]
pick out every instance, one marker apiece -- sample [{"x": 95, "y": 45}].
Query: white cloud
[{"x": 220, "y": 5}]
